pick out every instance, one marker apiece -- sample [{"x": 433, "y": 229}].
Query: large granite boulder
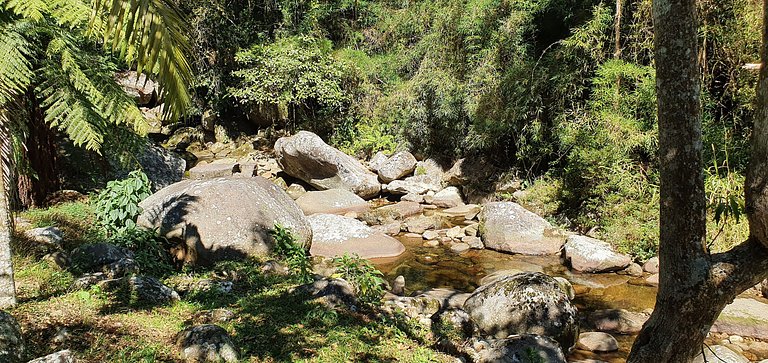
[
  {"x": 307, "y": 157},
  {"x": 11, "y": 340},
  {"x": 397, "y": 166},
  {"x": 224, "y": 218},
  {"x": 587, "y": 254},
  {"x": 528, "y": 348},
  {"x": 62, "y": 356},
  {"x": 332, "y": 201},
  {"x": 508, "y": 227},
  {"x": 744, "y": 317},
  {"x": 334, "y": 235},
  {"x": 526, "y": 303}
]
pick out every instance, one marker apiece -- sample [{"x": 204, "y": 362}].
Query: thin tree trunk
[
  {"x": 7, "y": 286},
  {"x": 695, "y": 286},
  {"x": 41, "y": 177}
]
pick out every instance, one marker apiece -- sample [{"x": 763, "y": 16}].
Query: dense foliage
[
  {"x": 555, "y": 92},
  {"x": 117, "y": 206}
]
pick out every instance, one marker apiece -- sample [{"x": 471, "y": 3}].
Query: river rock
[
  {"x": 597, "y": 342},
  {"x": 404, "y": 187},
  {"x": 138, "y": 86},
  {"x": 617, "y": 321},
  {"x": 419, "y": 224},
  {"x": 162, "y": 167},
  {"x": 334, "y": 235},
  {"x": 719, "y": 353},
  {"x": 330, "y": 292},
  {"x": 459, "y": 247},
  {"x": 745, "y": 317},
  {"x": 206, "y": 343},
  {"x": 397, "y": 166},
  {"x": 527, "y": 348},
  {"x": 652, "y": 265},
  {"x": 448, "y": 198},
  {"x": 224, "y": 218},
  {"x": 517, "y": 304},
  {"x": 509, "y": 227},
  {"x": 473, "y": 242},
  {"x": 295, "y": 191},
  {"x": 107, "y": 258},
  {"x": 429, "y": 173},
  {"x": 587, "y": 254},
  {"x": 466, "y": 211},
  {"x": 11, "y": 340},
  {"x": 216, "y": 169},
  {"x": 377, "y": 161},
  {"x": 332, "y": 201},
  {"x": 764, "y": 288},
  {"x": 391, "y": 213},
  {"x": 307, "y": 157},
  {"x": 64, "y": 356}
]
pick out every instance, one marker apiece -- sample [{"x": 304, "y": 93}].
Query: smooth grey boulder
[
  {"x": 307, "y": 157},
  {"x": 11, "y": 340},
  {"x": 113, "y": 261},
  {"x": 223, "y": 218},
  {"x": 526, "y": 303},
  {"x": 332, "y": 201},
  {"x": 449, "y": 197},
  {"x": 206, "y": 343},
  {"x": 527, "y": 348},
  {"x": 162, "y": 167},
  {"x": 334, "y": 235},
  {"x": 652, "y": 265},
  {"x": 744, "y": 317},
  {"x": 587, "y": 254},
  {"x": 719, "y": 353},
  {"x": 617, "y": 321},
  {"x": 397, "y": 166},
  {"x": 508, "y": 227},
  {"x": 597, "y": 342}
]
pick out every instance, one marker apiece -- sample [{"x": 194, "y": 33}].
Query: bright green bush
[
  {"x": 292, "y": 253},
  {"x": 366, "y": 279},
  {"x": 117, "y": 206}
]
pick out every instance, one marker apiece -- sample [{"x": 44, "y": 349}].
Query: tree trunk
[
  {"x": 7, "y": 286},
  {"x": 40, "y": 177},
  {"x": 756, "y": 188},
  {"x": 694, "y": 286}
]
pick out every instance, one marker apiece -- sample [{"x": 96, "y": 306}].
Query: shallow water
[{"x": 433, "y": 267}]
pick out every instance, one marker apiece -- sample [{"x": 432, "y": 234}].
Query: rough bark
[
  {"x": 40, "y": 177},
  {"x": 7, "y": 287},
  {"x": 694, "y": 286},
  {"x": 756, "y": 188}
]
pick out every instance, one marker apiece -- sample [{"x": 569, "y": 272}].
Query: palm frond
[{"x": 150, "y": 34}]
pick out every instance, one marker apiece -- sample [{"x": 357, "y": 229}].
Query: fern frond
[
  {"x": 81, "y": 97},
  {"x": 15, "y": 68},
  {"x": 72, "y": 13},
  {"x": 149, "y": 33},
  {"x": 34, "y": 10}
]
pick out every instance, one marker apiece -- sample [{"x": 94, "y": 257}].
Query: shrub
[
  {"x": 150, "y": 248},
  {"x": 117, "y": 206},
  {"x": 366, "y": 279},
  {"x": 292, "y": 253}
]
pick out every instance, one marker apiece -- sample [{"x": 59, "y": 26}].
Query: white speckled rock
[
  {"x": 527, "y": 348},
  {"x": 719, "y": 353},
  {"x": 224, "y": 218},
  {"x": 508, "y": 227},
  {"x": 377, "y": 161},
  {"x": 448, "y": 198},
  {"x": 587, "y": 254},
  {"x": 397, "y": 166},
  {"x": 307, "y": 157},
  {"x": 334, "y": 235},
  {"x": 518, "y": 304}
]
